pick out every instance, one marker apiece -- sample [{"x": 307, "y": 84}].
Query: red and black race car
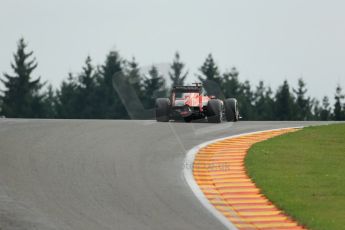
[{"x": 190, "y": 102}]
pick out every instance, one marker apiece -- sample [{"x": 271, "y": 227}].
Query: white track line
[{"x": 188, "y": 175}]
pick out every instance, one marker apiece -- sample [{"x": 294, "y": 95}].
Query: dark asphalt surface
[{"x": 101, "y": 175}]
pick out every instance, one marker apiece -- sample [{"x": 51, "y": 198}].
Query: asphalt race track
[{"x": 95, "y": 175}]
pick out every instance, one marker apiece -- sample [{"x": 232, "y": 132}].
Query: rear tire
[
  {"x": 162, "y": 109},
  {"x": 188, "y": 119},
  {"x": 231, "y": 109},
  {"x": 214, "y": 111}
]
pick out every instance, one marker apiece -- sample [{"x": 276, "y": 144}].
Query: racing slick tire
[
  {"x": 162, "y": 109},
  {"x": 214, "y": 111},
  {"x": 188, "y": 119},
  {"x": 231, "y": 109}
]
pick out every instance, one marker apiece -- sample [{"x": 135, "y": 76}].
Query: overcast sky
[{"x": 266, "y": 40}]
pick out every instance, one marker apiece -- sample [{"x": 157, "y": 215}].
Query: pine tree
[
  {"x": 339, "y": 113},
  {"x": 211, "y": 78},
  {"x": 154, "y": 87},
  {"x": 22, "y": 97},
  {"x": 86, "y": 78},
  {"x": 269, "y": 102},
  {"x": 231, "y": 85},
  {"x": 259, "y": 101},
  {"x": 86, "y": 91},
  {"x": 50, "y": 103},
  {"x": 315, "y": 110},
  {"x": 303, "y": 103},
  {"x": 1, "y": 113},
  {"x": 325, "y": 111},
  {"x": 284, "y": 103},
  {"x": 177, "y": 76},
  {"x": 134, "y": 77},
  {"x": 110, "y": 104},
  {"x": 245, "y": 101},
  {"x": 263, "y": 103},
  {"x": 131, "y": 89},
  {"x": 67, "y": 103},
  {"x": 77, "y": 96}
]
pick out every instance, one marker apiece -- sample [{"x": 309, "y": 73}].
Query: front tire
[
  {"x": 214, "y": 111},
  {"x": 231, "y": 109},
  {"x": 162, "y": 109}
]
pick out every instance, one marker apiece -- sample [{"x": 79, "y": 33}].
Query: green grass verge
[{"x": 303, "y": 174}]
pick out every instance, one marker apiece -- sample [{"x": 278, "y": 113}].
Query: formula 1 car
[{"x": 191, "y": 102}]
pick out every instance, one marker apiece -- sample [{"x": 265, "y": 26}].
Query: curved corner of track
[{"x": 219, "y": 180}]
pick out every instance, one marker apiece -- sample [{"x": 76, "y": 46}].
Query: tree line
[{"x": 97, "y": 92}]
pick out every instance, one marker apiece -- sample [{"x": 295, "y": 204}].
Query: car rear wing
[{"x": 187, "y": 89}]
